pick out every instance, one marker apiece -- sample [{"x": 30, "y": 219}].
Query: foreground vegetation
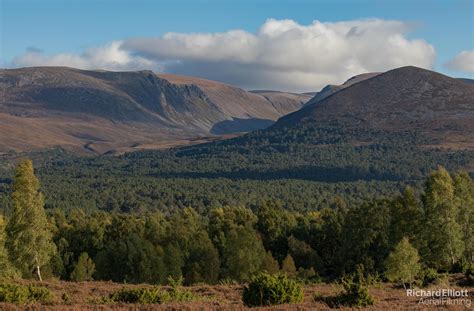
[
  {"x": 409, "y": 239},
  {"x": 96, "y": 296}
]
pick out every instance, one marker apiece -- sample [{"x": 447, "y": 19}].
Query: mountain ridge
[
  {"x": 406, "y": 98},
  {"x": 76, "y": 108},
  {"x": 330, "y": 89}
]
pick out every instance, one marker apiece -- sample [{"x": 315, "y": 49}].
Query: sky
[{"x": 291, "y": 45}]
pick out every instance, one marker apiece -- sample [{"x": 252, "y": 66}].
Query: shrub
[
  {"x": 21, "y": 294},
  {"x": 308, "y": 275},
  {"x": 227, "y": 282},
  {"x": 66, "y": 298},
  {"x": 13, "y": 293},
  {"x": 469, "y": 274},
  {"x": 152, "y": 295},
  {"x": 177, "y": 294},
  {"x": 355, "y": 293},
  {"x": 375, "y": 280},
  {"x": 431, "y": 276},
  {"x": 140, "y": 295},
  {"x": 40, "y": 294},
  {"x": 265, "y": 290}
]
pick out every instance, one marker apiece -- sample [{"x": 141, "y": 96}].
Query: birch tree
[
  {"x": 403, "y": 263},
  {"x": 29, "y": 238},
  {"x": 441, "y": 229},
  {"x": 6, "y": 269},
  {"x": 464, "y": 194}
]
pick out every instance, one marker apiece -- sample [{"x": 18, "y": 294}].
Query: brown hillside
[
  {"x": 331, "y": 89},
  {"x": 100, "y": 111},
  {"x": 406, "y": 98}
]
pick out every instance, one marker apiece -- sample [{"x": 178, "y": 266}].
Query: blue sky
[{"x": 71, "y": 27}]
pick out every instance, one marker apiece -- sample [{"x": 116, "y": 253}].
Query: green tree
[
  {"x": 243, "y": 254},
  {"x": 75, "y": 234},
  {"x": 325, "y": 234},
  {"x": 174, "y": 261},
  {"x": 195, "y": 256},
  {"x": 365, "y": 236},
  {"x": 288, "y": 266},
  {"x": 6, "y": 269},
  {"x": 202, "y": 264},
  {"x": 29, "y": 238},
  {"x": 275, "y": 225},
  {"x": 269, "y": 264},
  {"x": 223, "y": 220},
  {"x": 464, "y": 195},
  {"x": 403, "y": 263},
  {"x": 406, "y": 217},
  {"x": 239, "y": 245},
  {"x": 131, "y": 259},
  {"x": 84, "y": 269},
  {"x": 442, "y": 232},
  {"x": 302, "y": 253}
]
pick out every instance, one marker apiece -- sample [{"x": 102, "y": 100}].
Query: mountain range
[
  {"x": 103, "y": 111},
  {"x": 100, "y": 111},
  {"x": 397, "y": 125}
]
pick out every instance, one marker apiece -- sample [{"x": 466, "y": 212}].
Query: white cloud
[
  {"x": 463, "y": 62},
  {"x": 282, "y": 54},
  {"x": 107, "y": 57}
]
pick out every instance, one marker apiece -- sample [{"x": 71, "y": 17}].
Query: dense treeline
[
  {"x": 142, "y": 193},
  {"x": 303, "y": 152},
  {"x": 303, "y": 167},
  {"x": 433, "y": 230}
]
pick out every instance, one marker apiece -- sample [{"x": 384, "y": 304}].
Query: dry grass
[
  {"x": 90, "y": 136},
  {"x": 86, "y": 295}
]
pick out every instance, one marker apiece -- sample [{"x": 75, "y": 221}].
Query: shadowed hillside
[
  {"x": 101, "y": 111},
  {"x": 331, "y": 89},
  {"x": 405, "y": 99}
]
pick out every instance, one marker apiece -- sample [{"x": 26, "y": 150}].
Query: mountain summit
[{"x": 403, "y": 99}]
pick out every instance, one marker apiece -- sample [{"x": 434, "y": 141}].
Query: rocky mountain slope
[
  {"x": 331, "y": 88},
  {"x": 396, "y": 126},
  {"x": 403, "y": 99},
  {"x": 243, "y": 111},
  {"x": 100, "y": 111}
]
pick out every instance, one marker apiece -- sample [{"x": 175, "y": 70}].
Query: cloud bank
[
  {"x": 282, "y": 54},
  {"x": 463, "y": 62},
  {"x": 108, "y": 57}
]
